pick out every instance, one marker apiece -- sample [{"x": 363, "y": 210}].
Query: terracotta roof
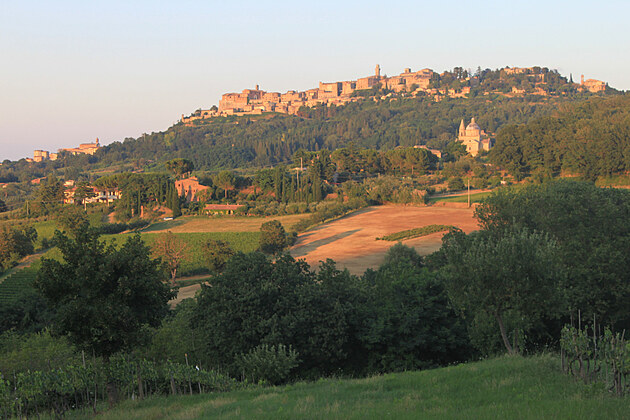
[{"x": 223, "y": 206}]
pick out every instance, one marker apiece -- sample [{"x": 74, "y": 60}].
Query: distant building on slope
[
  {"x": 84, "y": 148},
  {"x": 474, "y": 138},
  {"x": 189, "y": 188},
  {"x": 593, "y": 85}
]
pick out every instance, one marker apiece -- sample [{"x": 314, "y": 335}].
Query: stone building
[
  {"x": 84, "y": 148},
  {"x": 257, "y": 101},
  {"x": 474, "y": 138},
  {"x": 593, "y": 85},
  {"x": 189, "y": 188}
]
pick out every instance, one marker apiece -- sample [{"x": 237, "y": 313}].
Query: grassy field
[
  {"x": 502, "y": 388},
  {"x": 195, "y": 263},
  {"x": 474, "y": 198},
  {"x": 415, "y": 233}
]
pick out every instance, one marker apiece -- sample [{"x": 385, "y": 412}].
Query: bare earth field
[
  {"x": 351, "y": 240},
  {"x": 222, "y": 224}
]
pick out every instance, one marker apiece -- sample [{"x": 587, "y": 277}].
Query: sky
[{"x": 72, "y": 71}]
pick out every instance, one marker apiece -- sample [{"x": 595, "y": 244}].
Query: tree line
[{"x": 591, "y": 139}]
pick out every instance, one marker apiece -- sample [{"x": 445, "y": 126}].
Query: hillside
[
  {"x": 503, "y": 388},
  {"x": 383, "y": 119},
  {"x": 591, "y": 139}
]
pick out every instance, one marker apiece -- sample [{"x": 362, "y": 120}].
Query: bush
[
  {"x": 269, "y": 364},
  {"x": 456, "y": 184},
  {"x": 273, "y": 238}
]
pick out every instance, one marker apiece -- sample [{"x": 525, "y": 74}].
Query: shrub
[{"x": 270, "y": 364}]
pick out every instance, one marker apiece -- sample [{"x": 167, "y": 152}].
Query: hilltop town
[
  {"x": 83, "y": 148},
  {"x": 257, "y": 101}
]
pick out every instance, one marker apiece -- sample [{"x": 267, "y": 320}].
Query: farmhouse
[
  {"x": 189, "y": 188},
  {"x": 222, "y": 208}
]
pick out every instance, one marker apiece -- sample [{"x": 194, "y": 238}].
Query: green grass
[
  {"x": 415, "y": 233},
  {"x": 45, "y": 230},
  {"x": 474, "y": 198},
  {"x": 195, "y": 262},
  {"x": 502, "y": 388}
]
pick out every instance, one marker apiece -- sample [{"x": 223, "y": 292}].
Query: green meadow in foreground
[{"x": 502, "y": 388}]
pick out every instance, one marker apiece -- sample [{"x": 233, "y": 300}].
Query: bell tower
[{"x": 377, "y": 71}]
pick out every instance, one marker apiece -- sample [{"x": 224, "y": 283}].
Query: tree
[
  {"x": 225, "y": 180},
  {"x": 172, "y": 250},
  {"x": 273, "y": 238},
  {"x": 592, "y": 228},
  {"x": 50, "y": 195},
  {"x": 255, "y": 301},
  {"x": 217, "y": 253},
  {"x": 103, "y": 297},
  {"x": 3, "y": 207},
  {"x": 72, "y": 220},
  {"x": 15, "y": 244},
  {"x": 179, "y": 167},
  {"x": 82, "y": 192},
  {"x": 517, "y": 270},
  {"x": 408, "y": 322},
  {"x": 455, "y": 184}
]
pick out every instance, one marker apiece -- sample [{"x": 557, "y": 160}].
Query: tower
[
  {"x": 582, "y": 82},
  {"x": 462, "y": 128},
  {"x": 377, "y": 71}
]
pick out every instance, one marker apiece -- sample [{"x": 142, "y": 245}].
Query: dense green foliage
[
  {"x": 515, "y": 271},
  {"x": 408, "y": 322},
  {"x": 102, "y": 297},
  {"x": 395, "y": 318},
  {"x": 592, "y": 229},
  {"x": 273, "y": 237},
  {"x": 15, "y": 243},
  {"x": 591, "y": 138}
]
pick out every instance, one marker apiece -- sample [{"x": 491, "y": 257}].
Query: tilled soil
[{"x": 351, "y": 240}]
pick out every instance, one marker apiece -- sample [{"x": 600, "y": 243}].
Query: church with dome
[{"x": 474, "y": 138}]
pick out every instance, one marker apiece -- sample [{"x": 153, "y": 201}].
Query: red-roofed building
[{"x": 222, "y": 208}]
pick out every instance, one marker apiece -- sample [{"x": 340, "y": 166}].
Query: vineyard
[
  {"x": 84, "y": 385},
  {"x": 597, "y": 357},
  {"x": 15, "y": 283}
]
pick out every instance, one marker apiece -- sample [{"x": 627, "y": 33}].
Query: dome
[{"x": 473, "y": 125}]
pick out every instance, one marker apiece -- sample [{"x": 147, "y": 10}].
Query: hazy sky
[{"x": 71, "y": 71}]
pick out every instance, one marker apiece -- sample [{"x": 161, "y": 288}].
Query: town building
[
  {"x": 474, "y": 138},
  {"x": 257, "y": 101},
  {"x": 84, "y": 148},
  {"x": 592, "y": 85}
]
